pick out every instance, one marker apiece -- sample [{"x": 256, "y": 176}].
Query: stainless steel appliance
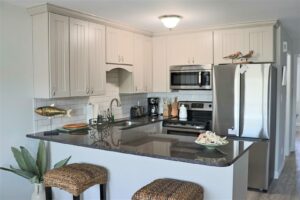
[
  {"x": 153, "y": 105},
  {"x": 199, "y": 116},
  {"x": 244, "y": 101},
  {"x": 136, "y": 111},
  {"x": 196, "y": 77}
]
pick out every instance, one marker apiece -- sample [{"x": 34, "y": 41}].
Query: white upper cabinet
[
  {"x": 51, "y": 55},
  {"x": 142, "y": 63},
  {"x": 202, "y": 44},
  {"x": 148, "y": 69},
  {"x": 119, "y": 46},
  {"x": 87, "y": 58},
  {"x": 261, "y": 41},
  {"x": 140, "y": 80},
  {"x": 79, "y": 63},
  {"x": 138, "y": 67},
  {"x": 97, "y": 59},
  {"x": 160, "y": 80},
  {"x": 258, "y": 39},
  {"x": 190, "y": 49}
]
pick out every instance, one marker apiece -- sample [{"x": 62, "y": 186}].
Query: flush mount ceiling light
[{"x": 170, "y": 21}]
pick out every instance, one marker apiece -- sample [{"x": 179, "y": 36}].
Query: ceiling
[{"x": 144, "y": 14}]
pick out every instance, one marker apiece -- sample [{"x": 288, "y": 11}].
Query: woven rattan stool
[
  {"x": 169, "y": 189},
  {"x": 75, "y": 179}
]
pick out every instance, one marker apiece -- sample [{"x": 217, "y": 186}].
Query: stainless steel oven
[
  {"x": 198, "y": 120},
  {"x": 197, "y": 77}
]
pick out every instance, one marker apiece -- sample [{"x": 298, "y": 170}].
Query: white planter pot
[{"x": 38, "y": 192}]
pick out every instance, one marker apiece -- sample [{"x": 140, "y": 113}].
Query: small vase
[{"x": 38, "y": 192}]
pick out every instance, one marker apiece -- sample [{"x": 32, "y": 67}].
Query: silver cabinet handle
[
  {"x": 92, "y": 91},
  {"x": 87, "y": 90},
  {"x": 135, "y": 88},
  {"x": 53, "y": 92}
]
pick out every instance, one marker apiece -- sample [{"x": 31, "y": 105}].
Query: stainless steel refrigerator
[{"x": 244, "y": 99}]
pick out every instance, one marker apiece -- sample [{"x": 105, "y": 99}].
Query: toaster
[{"x": 137, "y": 111}]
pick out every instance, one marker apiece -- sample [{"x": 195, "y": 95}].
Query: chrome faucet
[{"x": 110, "y": 106}]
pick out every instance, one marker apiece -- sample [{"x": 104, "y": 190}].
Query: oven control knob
[{"x": 210, "y": 105}]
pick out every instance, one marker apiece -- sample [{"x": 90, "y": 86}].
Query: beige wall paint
[{"x": 16, "y": 90}]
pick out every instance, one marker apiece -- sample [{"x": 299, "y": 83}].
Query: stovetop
[
  {"x": 184, "y": 122},
  {"x": 179, "y": 123}
]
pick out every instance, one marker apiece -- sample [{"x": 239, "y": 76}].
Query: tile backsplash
[
  {"x": 183, "y": 95},
  {"x": 79, "y": 104}
]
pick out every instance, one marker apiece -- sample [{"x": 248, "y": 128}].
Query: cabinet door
[
  {"x": 227, "y": 42},
  {"x": 202, "y": 44},
  {"x": 138, "y": 73},
  {"x": 160, "y": 69},
  {"x": 79, "y": 65},
  {"x": 112, "y": 52},
  {"x": 59, "y": 56},
  {"x": 261, "y": 40},
  {"x": 125, "y": 46},
  {"x": 179, "y": 50},
  {"x": 148, "y": 73},
  {"x": 97, "y": 59},
  {"x": 119, "y": 46}
]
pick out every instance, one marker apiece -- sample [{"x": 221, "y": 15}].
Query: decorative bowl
[{"x": 211, "y": 145}]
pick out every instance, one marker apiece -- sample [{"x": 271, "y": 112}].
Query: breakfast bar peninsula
[{"x": 136, "y": 155}]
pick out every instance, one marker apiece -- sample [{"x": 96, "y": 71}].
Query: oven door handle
[{"x": 200, "y": 83}]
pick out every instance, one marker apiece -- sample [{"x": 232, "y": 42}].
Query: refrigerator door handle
[{"x": 237, "y": 94}]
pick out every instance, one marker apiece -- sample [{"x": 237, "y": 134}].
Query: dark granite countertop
[{"x": 147, "y": 139}]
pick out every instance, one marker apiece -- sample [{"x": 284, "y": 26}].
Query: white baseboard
[{"x": 278, "y": 172}]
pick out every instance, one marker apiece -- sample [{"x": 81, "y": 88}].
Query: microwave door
[{"x": 184, "y": 80}]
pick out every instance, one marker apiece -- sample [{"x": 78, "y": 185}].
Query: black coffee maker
[{"x": 153, "y": 105}]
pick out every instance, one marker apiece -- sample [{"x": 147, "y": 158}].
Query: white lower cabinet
[{"x": 87, "y": 58}]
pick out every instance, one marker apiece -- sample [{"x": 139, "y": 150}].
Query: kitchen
[{"x": 117, "y": 80}]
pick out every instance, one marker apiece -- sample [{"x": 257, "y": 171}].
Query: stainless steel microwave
[{"x": 197, "y": 77}]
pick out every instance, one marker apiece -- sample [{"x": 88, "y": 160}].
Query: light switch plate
[{"x": 284, "y": 46}]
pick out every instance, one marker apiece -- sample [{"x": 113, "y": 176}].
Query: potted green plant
[{"x": 33, "y": 169}]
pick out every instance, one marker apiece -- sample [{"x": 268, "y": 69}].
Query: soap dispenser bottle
[{"x": 182, "y": 112}]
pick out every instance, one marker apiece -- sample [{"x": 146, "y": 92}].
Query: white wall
[{"x": 16, "y": 90}]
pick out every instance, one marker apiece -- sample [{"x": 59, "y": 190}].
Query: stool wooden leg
[
  {"x": 48, "y": 191},
  {"x": 76, "y": 197},
  {"x": 102, "y": 191}
]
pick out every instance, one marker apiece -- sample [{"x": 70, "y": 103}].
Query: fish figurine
[
  {"x": 247, "y": 56},
  {"x": 51, "y": 111}
]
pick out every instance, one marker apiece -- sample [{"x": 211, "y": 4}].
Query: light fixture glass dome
[{"x": 170, "y": 21}]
